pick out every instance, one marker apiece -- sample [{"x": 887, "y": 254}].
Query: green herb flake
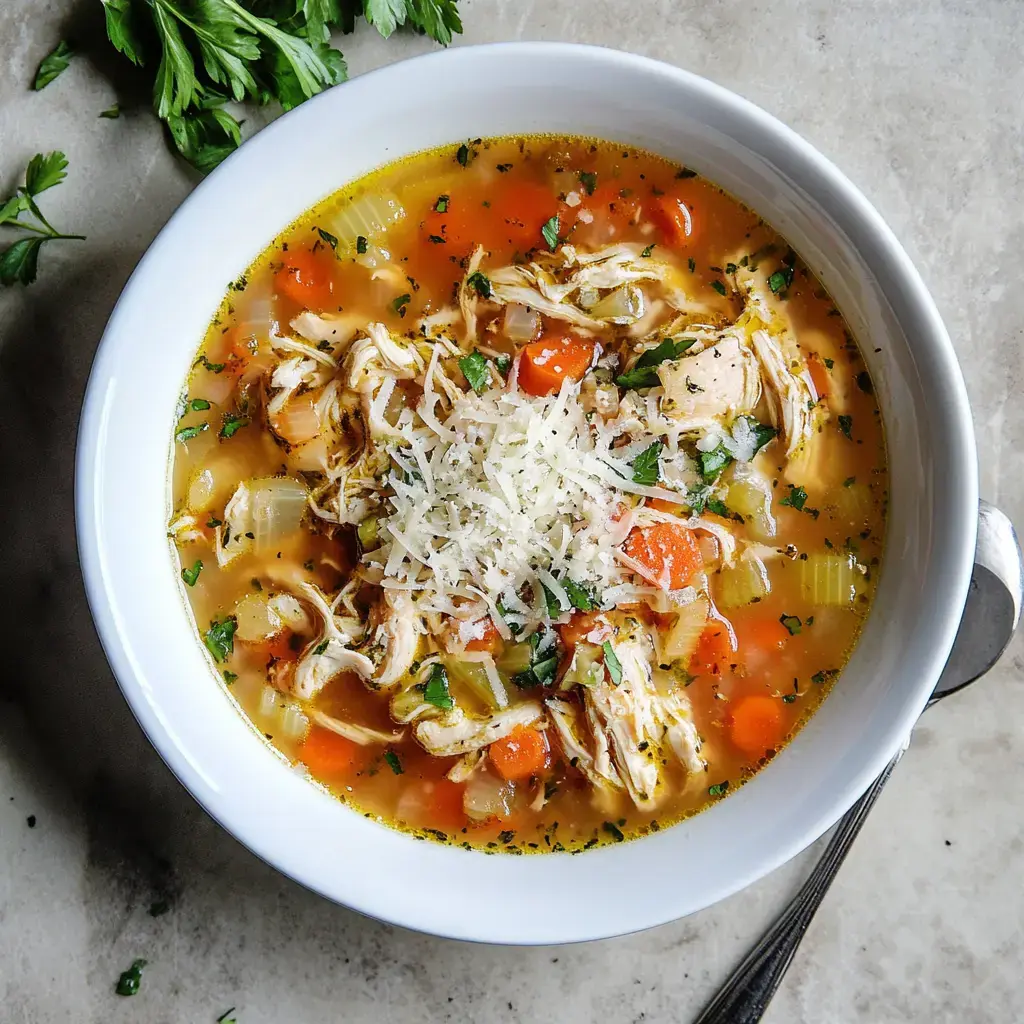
[
  {"x": 321, "y": 647},
  {"x": 719, "y": 287},
  {"x": 474, "y": 369},
  {"x": 331, "y": 240},
  {"x": 788, "y": 698},
  {"x": 232, "y": 425},
  {"x": 588, "y": 179},
  {"x": 792, "y": 623},
  {"x": 504, "y": 364},
  {"x": 191, "y": 576},
  {"x": 612, "y": 663},
  {"x": 712, "y": 463},
  {"x": 361, "y": 244},
  {"x": 796, "y": 498},
  {"x": 718, "y": 789},
  {"x": 220, "y": 638},
  {"x": 685, "y": 172},
  {"x": 613, "y": 830},
  {"x": 437, "y": 239},
  {"x": 550, "y": 233},
  {"x": 462, "y": 155},
  {"x": 399, "y": 304},
  {"x": 780, "y": 280},
  {"x": 229, "y": 677},
  {"x": 829, "y": 363},
  {"x": 188, "y": 433},
  {"x": 692, "y": 264},
  {"x": 393, "y": 762},
  {"x": 53, "y": 64},
  {"x": 226, "y": 1018},
  {"x": 212, "y": 367},
  {"x": 643, "y": 374},
  {"x": 864, "y": 382},
  {"x": 822, "y": 677},
  {"x": 436, "y": 690},
  {"x": 442, "y": 204},
  {"x": 846, "y": 426},
  {"x": 719, "y": 507},
  {"x": 199, "y": 405},
  {"x": 647, "y": 466},
  {"x": 111, "y": 113},
  {"x": 480, "y": 283},
  {"x": 731, "y": 268},
  {"x": 579, "y": 597},
  {"x": 849, "y": 481},
  {"x": 130, "y": 980},
  {"x": 647, "y": 250}
]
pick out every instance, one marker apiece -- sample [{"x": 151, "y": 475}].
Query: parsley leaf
[
  {"x": 480, "y": 284},
  {"x": 111, "y": 113},
  {"x": 205, "y": 136},
  {"x": 474, "y": 369},
  {"x": 646, "y": 466},
  {"x": 52, "y": 65},
  {"x": 399, "y": 304},
  {"x": 588, "y": 179},
  {"x": 232, "y": 424},
  {"x": 191, "y": 576},
  {"x": 792, "y": 623},
  {"x": 550, "y": 233},
  {"x": 643, "y": 374},
  {"x": 648, "y": 250},
  {"x": 462, "y": 155},
  {"x": 442, "y": 204},
  {"x": 719, "y": 287},
  {"x": 579, "y": 597},
  {"x": 846, "y": 426},
  {"x": 781, "y": 280},
  {"x": 130, "y": 980},
  {"x": 712, "y": 463},
  {"x": 612, "y": 663},
  {"x": 220, "y": 638},
  {"x": 796, "y": 498},
  {"x": 20, "y": 261},
  {"x": 393, "y": 763},
  {"x": 864, "y": 382},
  {"x": 504, "y": 364},
  {"x": 326, "y": 236},
  {"x": 436, "y": 691},
  {"x": 718, "y": 789},
  {"x": 199, "y": 405},
  {"x": 613, "y": 830},
  {"x": 719, "y": 507}
]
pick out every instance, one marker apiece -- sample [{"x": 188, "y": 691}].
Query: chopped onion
[
  {"x": 625, "y": 305},
  {"x": 310, "y": 457},
  {"x": 487, "y": 796},
  {"x": 294, "y": 723},
  {"x": 368, "y": 216},
  {"x": 256, "y": 618},
  {"x": 277, "y": 508},
  {"x": 268, "y": 701},
  {"x": 253, "y": 324},
  {"x": 299, "y": 420},
  {"x": 521, "y": 323}
]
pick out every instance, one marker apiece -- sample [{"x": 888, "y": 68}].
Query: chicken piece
[
  {"x": 361, "y": 734},
  {"x": 337, "y": 331},
  {"x": 377, "y": 355},
  {"x": 469, "y": 297},
  {"x": 674, "y": 712},
  {"x": 393, "y": 639},
  {"x": 330, "y": 653},
  {"x": 456, "y": 733},
  {"x": 791, "y": 402},
  {"x": 466, "y": 765},
  {"x": 234, "y": 537},
  {"x": 721, "y": 381}
]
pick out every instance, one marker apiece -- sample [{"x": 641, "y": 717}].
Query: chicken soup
[{"x": 529, "y": 494}]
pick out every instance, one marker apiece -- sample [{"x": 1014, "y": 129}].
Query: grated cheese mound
[{"x": 509, "y": 492}]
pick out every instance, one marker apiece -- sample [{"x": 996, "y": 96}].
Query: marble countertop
[{"x": 919, "y": 102}]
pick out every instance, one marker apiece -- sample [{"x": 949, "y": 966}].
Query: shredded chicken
[{"x": 458, "y": 733}]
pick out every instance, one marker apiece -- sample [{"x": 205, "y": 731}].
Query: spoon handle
[{"x": 744, "y": 998}]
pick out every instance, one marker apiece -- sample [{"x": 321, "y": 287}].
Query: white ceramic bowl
[{"x": 123, "y": 495}]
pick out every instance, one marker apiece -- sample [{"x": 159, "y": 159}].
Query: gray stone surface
[{"x": 919, "y": 102}]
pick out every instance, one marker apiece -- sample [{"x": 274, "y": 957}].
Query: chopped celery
[
  {"x": 368, "y": 533},
  {"x": 586, "y": 668},
  {"x": 515, "y": 658},
  {"x": 680, "y": 641},
  {"x": 471, "y": 676},
  {"x": 743, "y": 583},
  {"x": 828, "y": 579},
  {"x": 855, "y": 505}
]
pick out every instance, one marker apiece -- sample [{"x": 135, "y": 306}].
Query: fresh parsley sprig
[{"x": 19, "y": 262}]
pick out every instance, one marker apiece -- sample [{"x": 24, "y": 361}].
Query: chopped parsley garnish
[
  {"x": 612, "y": 663},
  {"x": 442, "y": 204},
  {"x": 199, "y": 405},
  {"x": 796, "y": 498},
  {"x": 504, "y": 364},
  {"x": 331, "y": 240},
  {"x": 762, "y": 433},
  {"x": 399, "y": 304},
  {"x": 361, "y": 244},
  {"x": 474, "y": 369},
  {"x": 781, "y": 280},
  {"x": 393, "y": 763},
  {"x": 554, "y": 609},
  {"x": 232, "y": 424},
  {"x": 846, "y": 426},
  {"x": 646, "y": 466},
  {"x": 864, "y": 382},
  {"x": 52, "y": 65},
  {"x": 614, "y": 831},
  {"x": 579, "y": 597},
  {"x": 224, "y": 1018},
  {"x": 213, "y": 522},
  {"x": 480, "y": 283},
  {"x": 719, "y": 287},
  {"x": 829, "y": 363},
  {"x": 849, "y": 481},
  {"x": 718, "y": 789},
  {"x": 685, "y": 172},
  {"x": 788, "y": 698},
  {"x": 128, "y": 983},
  {"x": 648, "y": 250},
  {"x": 588, "y": 179},
  {"x": 436, "y": 690},
  {"x": 229, "y": 677},
  {"x": 550, "y": 233},
  {"x": 437, "y": 239},
  {"x": 719, "y": 507},
  {"x": 643, "y": 374},
  {"x": 111, "y": 113},
  {"x": 220, "y": 638},
  {"x": 824, "y": 675},
  {"x": 712, "y": 463},
  {"x": 462, "y": 155},
  {"x": 212, "y": 367},
  {"x": 792, "y": 623},
  {"x": 190, "y": 576},
  {"x": 731, "y": 268},
  {"x": 692, "y": 264},
  {"x": 187, "y": 433},
  {"x": 503, "y": 168},
  {"x": 321, "y": 647}
]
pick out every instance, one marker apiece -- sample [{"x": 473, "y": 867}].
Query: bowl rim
[{"x": 961, "y": 463}]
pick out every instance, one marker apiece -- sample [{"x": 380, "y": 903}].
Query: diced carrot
[
  {"x": 579, "y": 628},
  {"x": 519, "y": 211},
  {"x": 544, "y": 364},
  {"x": 819, "y": 375},
  {"x": 445, "y": 805},
  {"x": 757, "y": 725},
  {"x": 306, "y": 279},
  {"x": 674, "y": 218},
  {"x": 327, "y": 754},
  {"x": 667, "y": 551},
  {"x": 490, "y": 641},
  {"x": 716, "y": 650},
  {"x": 609, "y": 203},
  {"x": 761, "y": 635},
  {"x": 521, "y": 754},
  {"x": 661, "y": 505}
]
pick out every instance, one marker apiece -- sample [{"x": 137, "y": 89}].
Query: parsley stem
[
  {"x": 29, "y": 227},
  {"x": 38, "y": 214}
]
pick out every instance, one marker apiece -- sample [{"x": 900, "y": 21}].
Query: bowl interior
[{"x": 123, "y": 493}]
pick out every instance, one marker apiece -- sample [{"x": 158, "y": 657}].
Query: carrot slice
[
  {"x": 757, "y": 725},
  {"x": 662, "y": 505},
  {"x": 544, "y": 364},
  {"x": 667, "y": 551},
  {"x": 445, "y": 801},
  {"x": 305, "y": 279},
  {"x": 819, "y": 375},
  {"x": 762, "y": 635},
  {"x": 521, "y": 754},
  {"x": 673, "y": 217},
  {"x": 579, "y": 628},
  {"x": 518, "y": 212},
  {"x": 326, "y": 753},
  {"x": 490, "y": 641},
  {"x": 716, "y": 650}
]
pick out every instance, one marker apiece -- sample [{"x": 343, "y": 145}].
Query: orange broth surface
[{"x": 761, "y": 666}]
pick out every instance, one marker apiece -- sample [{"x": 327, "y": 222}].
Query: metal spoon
[{"x": 990, "y": 617}]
